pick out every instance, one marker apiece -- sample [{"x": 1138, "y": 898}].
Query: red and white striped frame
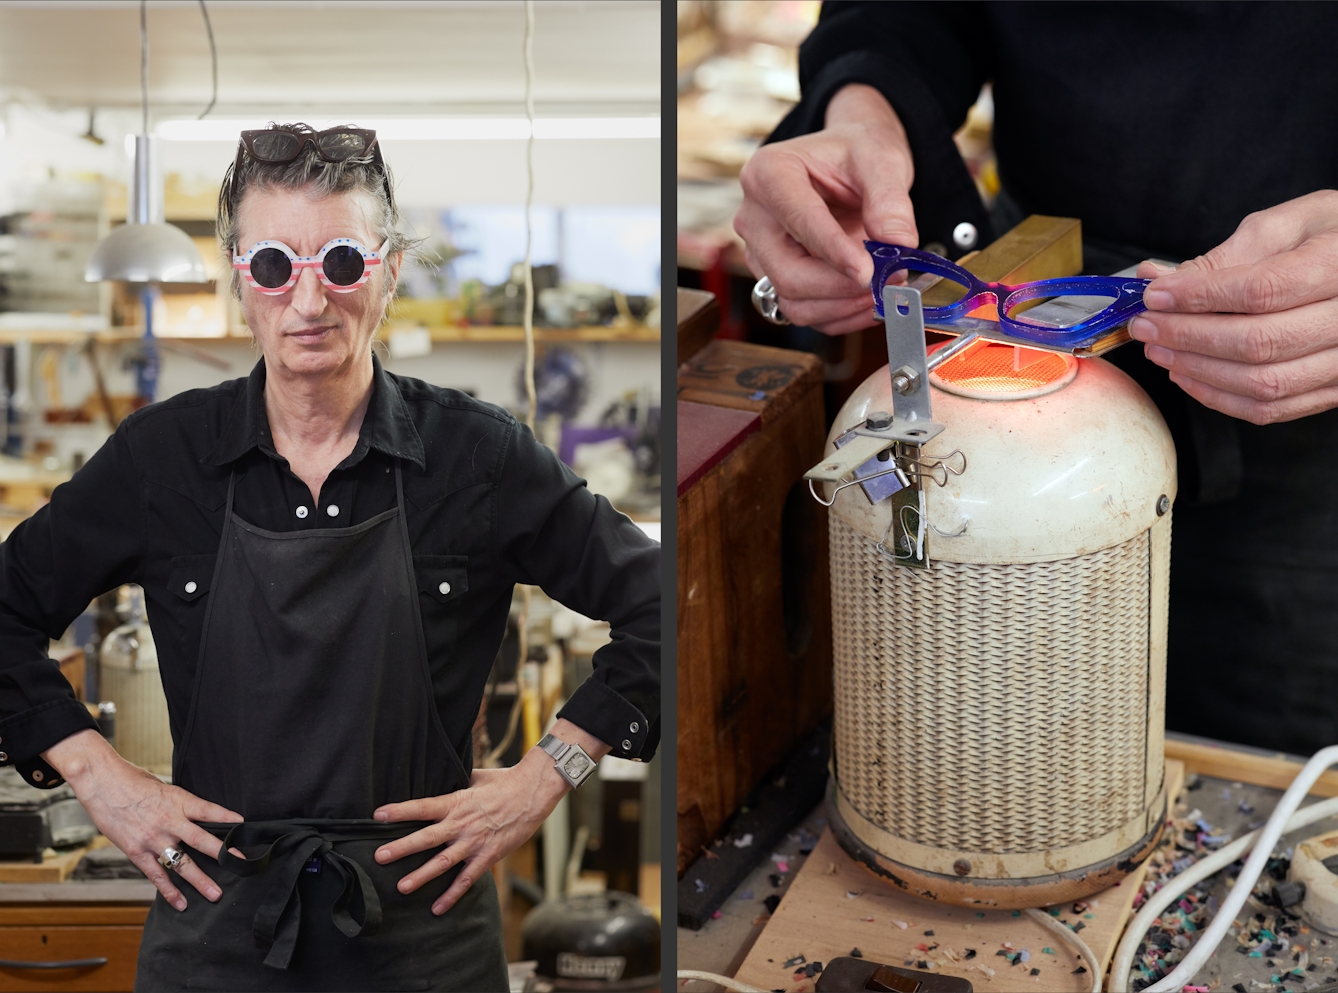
[{"x": 242, "y": 263}]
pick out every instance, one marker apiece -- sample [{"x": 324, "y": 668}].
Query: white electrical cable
[
  {"x": 1065, "y": 933},
  {"x": 527, "y": 319},
  {"x": 725, "y": 981},
  {"x": 1201, "y": 870},
  {"x": 1262, "y": 842}
]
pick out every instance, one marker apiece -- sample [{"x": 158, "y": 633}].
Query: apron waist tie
[{"x": 279, "y": 918}]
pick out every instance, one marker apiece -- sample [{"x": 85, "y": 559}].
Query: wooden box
[{"x": 754, "y": 614}]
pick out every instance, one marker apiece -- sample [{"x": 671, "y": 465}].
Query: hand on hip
[
  {"x": 500, "y": 811},
  {"x": 139, "y": 813}
]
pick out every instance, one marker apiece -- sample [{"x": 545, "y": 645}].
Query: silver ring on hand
[
  {"x": 172, "y": 859},
  {"x": 765, "y": 302}
]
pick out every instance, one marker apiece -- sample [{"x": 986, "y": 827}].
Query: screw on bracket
[{"x": 905, "y": 380}]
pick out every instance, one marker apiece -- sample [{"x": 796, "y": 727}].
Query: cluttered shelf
[{"x": 497, "y": 333}]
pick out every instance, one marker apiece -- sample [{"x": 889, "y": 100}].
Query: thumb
[{"x": 1155, "y": 268}]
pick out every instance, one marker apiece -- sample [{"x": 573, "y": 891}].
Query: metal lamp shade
[
  {"x": 144, "y": 249},
  {"x": 146, "y": 253}
]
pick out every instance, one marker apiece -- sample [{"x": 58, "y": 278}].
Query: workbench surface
[
  {"x": 80, "y": 891},
  {"x": 1230, "y": 808}
]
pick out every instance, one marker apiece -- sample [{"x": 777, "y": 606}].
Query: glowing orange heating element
[{"x": 995, "y": 368}]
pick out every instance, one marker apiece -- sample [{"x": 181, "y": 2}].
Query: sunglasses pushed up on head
[{"x": 342, "y": 265}]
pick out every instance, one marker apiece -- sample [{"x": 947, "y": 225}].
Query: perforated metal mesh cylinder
[{"x": 999, "y": 715}]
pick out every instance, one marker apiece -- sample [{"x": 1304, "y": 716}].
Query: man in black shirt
[
  {"x": 328, "y": 554},
  {"x": 1174, "y": 130}
]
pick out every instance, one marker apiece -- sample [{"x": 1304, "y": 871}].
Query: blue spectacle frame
[{"x": 1126, "y": 291}]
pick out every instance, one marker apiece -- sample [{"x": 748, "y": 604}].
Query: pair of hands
[
  {"x": 1250, "y": 328},
  {"x": 141, "y": 815}
]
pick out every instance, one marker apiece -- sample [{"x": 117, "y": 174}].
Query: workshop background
[
  {"x": 443, "y": 85},
  {"x": 774, "y": 886}
]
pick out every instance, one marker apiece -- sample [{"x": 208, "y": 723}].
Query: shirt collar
[{"x": 386, "y": 428}]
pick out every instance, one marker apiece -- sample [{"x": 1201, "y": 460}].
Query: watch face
[{"x": 577, "y": 765}]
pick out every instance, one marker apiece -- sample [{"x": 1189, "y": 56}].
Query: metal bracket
[
  {"x": 911, "y": 422},
  {"x": 910, "y": 425}
]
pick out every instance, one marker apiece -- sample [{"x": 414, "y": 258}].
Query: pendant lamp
[{"x": 145, "y": 249}]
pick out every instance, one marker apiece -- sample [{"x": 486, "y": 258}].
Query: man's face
[{"x": 311, "y": 330}]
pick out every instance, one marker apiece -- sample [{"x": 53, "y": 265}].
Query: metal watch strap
[
  {"x": 553, "y": 745},
  {"x": 563, "y": 754}
]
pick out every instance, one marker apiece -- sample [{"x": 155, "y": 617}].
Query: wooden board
[
  {"x": 754, "y": 618},
  {"x": 835, "y": 905},
  {"x": 54, "y": 868},
  {"x": 72, "y": 914},
  {"x": 1224, "y": 762},
  {"x": 698, "y": 321},
  {"x": 707, "y": 434}
]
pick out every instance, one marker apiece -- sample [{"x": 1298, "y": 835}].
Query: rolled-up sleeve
[
  {"x": 928, "y": 60},
  {"x": 86, "y": 541},
  {"x": 554, "y": 533}
]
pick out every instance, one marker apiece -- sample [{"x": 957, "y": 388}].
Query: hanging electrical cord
[
  {"x": 527, "y": 322},
  {"x": 527, "y": 319},
  {"x": 522, "y": 656},
  {"x": 1260, "y": 845},
  {"x": 144, "y": 66},
  {"x": 213, "y": 60}
]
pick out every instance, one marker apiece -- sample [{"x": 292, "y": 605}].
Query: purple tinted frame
[{"x": 1126, "y": 291}]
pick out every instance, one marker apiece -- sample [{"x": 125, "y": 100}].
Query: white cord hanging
[{"x": 527, "y": 318}]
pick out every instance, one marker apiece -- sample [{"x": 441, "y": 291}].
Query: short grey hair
[{"x": 367, "y": 174}]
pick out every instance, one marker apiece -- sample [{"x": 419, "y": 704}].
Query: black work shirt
[
  {"x": 1159, "y": 125},
  {"x": 487, "y": 507}
]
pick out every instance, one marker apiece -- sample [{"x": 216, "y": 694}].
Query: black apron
[
  {"x": 312, "y": 706},
  {"x": 1252, "y": 652}
]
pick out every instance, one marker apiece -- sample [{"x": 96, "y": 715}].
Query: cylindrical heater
[{"x": 998, "y": 736}]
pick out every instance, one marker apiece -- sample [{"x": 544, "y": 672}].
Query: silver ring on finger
[
  {"x": 765, "y": 302},
  {"x": 172, "y": 859}
]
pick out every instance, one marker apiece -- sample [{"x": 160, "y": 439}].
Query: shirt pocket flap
[
  {"x": 191, "y": 575},
  {"x": 443, "y": 577}
]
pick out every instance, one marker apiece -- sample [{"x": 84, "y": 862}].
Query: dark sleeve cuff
[
  {"x": 943, "y": 194},
  {"x": 601, "y": 711},
  {"x": 24, "y": 736}
]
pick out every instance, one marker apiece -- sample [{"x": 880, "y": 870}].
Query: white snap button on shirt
[
  {"x": 333, "y": 510},
  {"x": 444, "y": 588},
  {"x": 302, "y": 513},
  {"x": 191, "y": 587}
]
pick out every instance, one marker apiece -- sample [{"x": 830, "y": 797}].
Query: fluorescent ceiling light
[{"x": 439, "y": 128}]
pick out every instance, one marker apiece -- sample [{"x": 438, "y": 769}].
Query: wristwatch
[{"x": 571, "y": 761}]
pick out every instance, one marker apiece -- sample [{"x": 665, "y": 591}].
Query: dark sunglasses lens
[
  {"x": 337, "y": 146},
  {"x": 343, "y": 265},
  {"x": 275, "y": 146},
  {"x": 271, "y": 268}
]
